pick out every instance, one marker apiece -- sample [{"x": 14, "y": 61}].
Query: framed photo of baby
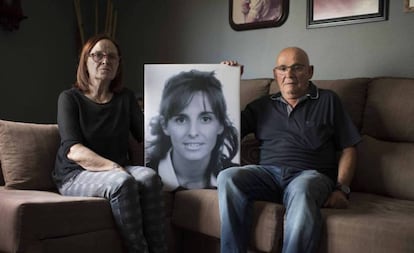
[
  {"x": 192, "y": 122},
  {"x": 254, "y": 14}
]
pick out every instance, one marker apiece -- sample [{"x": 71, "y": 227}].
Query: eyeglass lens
[{"x": 99, "y": 56}]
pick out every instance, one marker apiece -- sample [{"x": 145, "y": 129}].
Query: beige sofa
[{"x": 34, "y": 218}]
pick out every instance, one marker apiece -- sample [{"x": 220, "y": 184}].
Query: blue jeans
[{"x": 302, "y": 192}]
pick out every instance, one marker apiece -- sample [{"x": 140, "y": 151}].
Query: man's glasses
[
  {"x": 99, "y": 56},
  {"x": 296, "y": 68}
]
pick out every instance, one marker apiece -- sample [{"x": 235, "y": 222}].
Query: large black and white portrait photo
[{"x": 192, "y": 122}]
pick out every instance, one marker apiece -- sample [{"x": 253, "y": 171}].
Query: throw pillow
[{"x": 27, "y": 153}]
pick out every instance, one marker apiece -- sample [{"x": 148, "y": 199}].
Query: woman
[
  {"x": 194, "y": 138},
  {"x": 95, "y": 118}
]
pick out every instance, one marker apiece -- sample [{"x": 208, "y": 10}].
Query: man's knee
[
  {"x": 310, "y": 186},
  {"x": 227, "y": 175}
]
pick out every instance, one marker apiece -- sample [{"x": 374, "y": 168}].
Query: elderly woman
[{"x": 95, "y": 118}]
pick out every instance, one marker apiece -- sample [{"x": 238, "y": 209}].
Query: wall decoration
[
  {"x": 408, "y": 5},
  {"x": 192, "y": 122},
  {"x": 96, "y": 17},
  {"x": 254, "y": 14},
  {"x": 323, "y": 13},
  {"x": 11, "y": 14}
]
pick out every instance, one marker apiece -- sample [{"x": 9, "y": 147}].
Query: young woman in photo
[{"x": 193, "y": 137}]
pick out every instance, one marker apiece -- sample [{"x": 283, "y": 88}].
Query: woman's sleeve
[
  {"x": 137, "y": 119},
  {"x": 68, "y": 121}
]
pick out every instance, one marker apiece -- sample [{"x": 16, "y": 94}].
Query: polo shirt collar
[{"x": 313, "y": 94}]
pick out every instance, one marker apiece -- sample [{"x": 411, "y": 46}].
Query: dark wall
[{"x": 39, "y": 60}]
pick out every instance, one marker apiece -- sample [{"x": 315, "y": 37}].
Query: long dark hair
[{"x": 177, "y": 94}]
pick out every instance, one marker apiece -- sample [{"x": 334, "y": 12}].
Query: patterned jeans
[{"x": 136, "y": 202}]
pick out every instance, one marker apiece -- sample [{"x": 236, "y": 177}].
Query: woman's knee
[
  {"x": 123, "y": 182},
  {"x": 146, "y": 176}
]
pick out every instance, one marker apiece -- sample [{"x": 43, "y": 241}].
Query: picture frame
[
  {"x": 256, "y": 14},
  {"x": 325, "y": 13},
  {"x": 408, "y": 5}
]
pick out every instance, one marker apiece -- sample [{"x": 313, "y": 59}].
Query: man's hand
[
  {"x": 337, "y": 199},
  {"x": 234, "y": 64}
]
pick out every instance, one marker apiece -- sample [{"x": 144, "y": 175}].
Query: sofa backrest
[
  {"x": 386, "y": 154},
  {"x": 28, "y": 153}
]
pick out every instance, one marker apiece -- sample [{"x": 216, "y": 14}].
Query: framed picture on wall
[
  {"x": 408, "y": 5},
  {"x": 255, "y": 14},
  {"x": 323, "y": 13}
]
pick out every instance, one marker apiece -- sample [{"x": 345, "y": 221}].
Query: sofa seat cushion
[
  {"x": 372, "y": 223},
  {"x": 197, "y": 210},
  {"x": 29, "y": 215}
]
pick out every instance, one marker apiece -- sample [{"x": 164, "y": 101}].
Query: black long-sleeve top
[{"x": 103, "y": 128}]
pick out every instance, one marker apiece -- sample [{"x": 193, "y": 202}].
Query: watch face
[{"x": 345, "y": 189}]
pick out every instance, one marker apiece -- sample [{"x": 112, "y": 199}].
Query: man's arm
[
  {"x": 346, "y": 166},
  {"x": 346, "y": 169}
]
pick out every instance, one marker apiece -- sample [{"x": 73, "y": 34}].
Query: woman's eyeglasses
[{"x": 99, "y": 56}]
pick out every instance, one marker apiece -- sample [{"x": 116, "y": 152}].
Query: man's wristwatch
[{"x": 343, "y": 188}]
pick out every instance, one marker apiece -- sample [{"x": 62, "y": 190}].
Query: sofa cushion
[
  {"x": 28, "y": 216},
  {"x": 251, "y": 89},
  {"x": 385, "y": 168},
  {"x": 372, "y": 223},
  {"x": 197, "y": 210},
  {"x": 27, "y": 154},
  {"x": 388, "y": 114},
  {"x": 352, "y": 93}
]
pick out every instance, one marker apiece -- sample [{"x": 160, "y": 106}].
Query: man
[{"x": 300, "y": 129}]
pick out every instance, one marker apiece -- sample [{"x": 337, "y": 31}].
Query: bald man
[{"x": 301, "y": 129}]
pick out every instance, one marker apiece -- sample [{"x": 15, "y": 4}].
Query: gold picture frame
[
  {"x": 247, "y": 14},
  {"x": 408, "y": 5}
]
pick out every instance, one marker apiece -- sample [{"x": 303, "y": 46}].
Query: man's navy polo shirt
[{"x": 305, "y": 137}]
